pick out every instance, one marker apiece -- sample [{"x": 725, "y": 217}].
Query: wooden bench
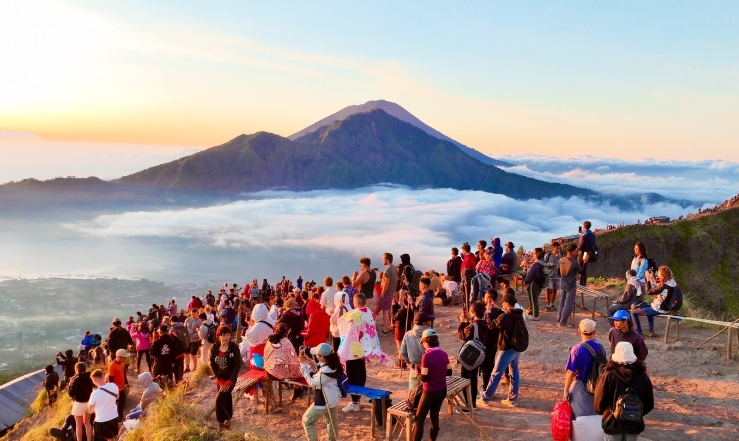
[
  {"x": 457, "y": 390},
  {"x": 597, "y": 296},
  {"x": 728, "y": 326},
  {"x": 290, "y": 384},
  {"x": 251, "y": 379},
  {"x": 357, "y": 390}
]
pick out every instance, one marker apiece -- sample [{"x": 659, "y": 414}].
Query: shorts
[
  {"x": 80, "y": 409},
  {"x": 553, "y": 284},
  {"x": 106, "y": 429},
  {"x": 386, "y": 301},
  {"x": 399, "y": 334},
  {"x": 194, "y": 346}
]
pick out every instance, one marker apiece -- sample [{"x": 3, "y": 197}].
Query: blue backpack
[{"x": 343, "y": 381}]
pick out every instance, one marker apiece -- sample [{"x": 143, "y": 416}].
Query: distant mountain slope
[
  {"x": 400, "y": 113},
  {"x": 361, "y": 150}
]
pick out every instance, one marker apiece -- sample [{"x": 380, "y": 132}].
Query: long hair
[
  {"x": 333, "y": 362},
  {"x": 665, "y": 274},
  {"x": 642, "y": 249}
]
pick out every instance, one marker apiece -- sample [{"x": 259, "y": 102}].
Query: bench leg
[
  {"x": 667, "y": 329},
  {"x": 470, "y": 403},
  {"x": 408, "y": 429},
  {"x": 595, "y": 305},
  {"x": 678, "y": 330},
  {"x": 728, "y": 346},
  {"x": 372, "y": 419}
]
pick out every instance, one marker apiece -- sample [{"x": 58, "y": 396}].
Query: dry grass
[
  {"x": 201, "y": 372},
  {"x": 46, "y": 417}
]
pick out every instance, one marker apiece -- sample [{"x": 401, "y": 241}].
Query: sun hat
[
  {"x": 621, "y": 315},
  {"x": 624, "y": 353}
]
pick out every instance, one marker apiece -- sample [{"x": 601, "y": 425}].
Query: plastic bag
[{"x": 561, "y": 421}]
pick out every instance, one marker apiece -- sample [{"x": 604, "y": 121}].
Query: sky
[{"x": 628, "y": 80}]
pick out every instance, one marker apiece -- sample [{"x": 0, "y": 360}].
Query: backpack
[
  {"x": 414, "y": 397},
  {"x": 599, "y": 364},
  {"x": 211, "y": 335},
  {"x": 676, "y": 300},
  {"x": 652, "y": 265},
  {"x": 343, "y": 382},
  {"x": 472, "y": 353},
  {"x": 628, "y": 407},
  {"x": 483, "y": 282},
  {"x": 183, "y": 335},
  {"x": 519, "y": 336},
  {"x": 541, "y": 278},
  {"x": 415, "y": 280}
]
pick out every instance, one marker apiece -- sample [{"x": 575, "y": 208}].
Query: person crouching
[{"x": 327, "y": 395}]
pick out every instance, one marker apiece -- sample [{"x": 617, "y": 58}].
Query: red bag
[{"x": 561, "y": 421}]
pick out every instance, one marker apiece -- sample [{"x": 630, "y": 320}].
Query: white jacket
[{"x": 322, "y": 382}]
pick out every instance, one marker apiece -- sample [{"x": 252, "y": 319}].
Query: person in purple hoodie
[{"x": 497, "y": 251}]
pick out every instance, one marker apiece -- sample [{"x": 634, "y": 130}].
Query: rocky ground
[{"x": 696, "y": 390}]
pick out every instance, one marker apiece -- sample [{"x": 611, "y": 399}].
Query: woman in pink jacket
[{"x": 143, "y": 344}]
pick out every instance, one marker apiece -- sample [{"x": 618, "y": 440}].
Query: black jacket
[
  {"x": 504, "y": 324},
  {"x": 118, "y": 338},
  {"x": 228, "y": 369},
  {"x": 80, "y": 387},
  {"x": 466, "y": 331},
  {"x": 611, "y": 385}
]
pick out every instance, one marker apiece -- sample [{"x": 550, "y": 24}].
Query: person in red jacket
[{"x": 318, "y": 328}]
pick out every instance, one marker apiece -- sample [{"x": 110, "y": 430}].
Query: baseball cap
[
  {"x": 587, "y": 326},
  {"x": 428, "y": 333},
  {"x": 621, "y": 315},
  {"x": 122, "y": 353},
  {"x": 323, "y": 350}
]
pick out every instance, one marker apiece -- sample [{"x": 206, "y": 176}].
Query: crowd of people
[{"x": 327, "y": 334}]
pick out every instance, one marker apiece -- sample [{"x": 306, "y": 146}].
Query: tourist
[
  {"x": 472, "y": 325},
  {"x": 80, "y": 388},
  {"x": 507, "y": 355},
  {"x": 622, "y": 331},
  {"x": 509, "y": 259},
  {"x": 152, "y": 391},
  {"x": 535, "y": 278},
  {"x": 314, "y": 304},
  {"x": 172, "y": 308},
  {"x": 293, "y": 319},
  {"x": 67, "y": 362},
  {"x": 51, "y": 384},
  {"x": 280, "y": 357},
  {"x": 640, "y": 263},
  {"x": 633, "y": 294},
  {"x": 434, "y": 370},
  {"x": 117, "y": 376},
  {"x": 388, "y": 288},
  {"x": 257, "y": 335},
  {"x": 402, "y": 321},
  {"x": 69, "y": 429},
  {"x": 225, "y": 362},
  {"x": 425, "y": 301},
  {"x": 411, "y": 349},
  {"x": 568, "y": 270},
  {"x": 664, "y": 302},
  {"x": 193, "y": 324},
  {"x": 578, "y": 368},
  {"x": 327, "y": 396},
  {"x": 103, "y": 402},
  {"x": 319, "y": 326},
  {"x": 179, "y": 331},
  {"x": 164, "y": 350},
  {"x": 497, "y": 251},
  {"x": 469, "y": 263},
  {"x": 118, "y": 338},
  {"x": 365, "y": 283},
  {"x": 586, "y": 246},
  {"x": 454, "y": 267},
  {"x": 329, "y": 292},
  {"x": 551, "y": 260},
  {"x": 207, "y": 334},
  {"x": 143, "y": 345},
  {"x": 484, "y": 278},
  {"x": 623, "y": 371},
  {"x": 227, "y": 316},
  {"x": 492, "y": 311}
]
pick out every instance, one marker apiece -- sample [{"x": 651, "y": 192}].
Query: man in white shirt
[
  {"x": 327, "y": 298},
  {"x": 103, "y": 401}
]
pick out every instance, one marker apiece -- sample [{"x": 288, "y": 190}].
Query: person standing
[
  {"x": 640, "y": 263},
  {"x": 587, "y": 247},
  {"x": 164, "y": 350},
  {"x": 507, "y": 354},
  {"x": 80, "y": 388},
  {"x": 327, "y": 297},
  {"x": 388, "y": 289},
  {"x": 454, "y": 267},
  {"x": 117, "y": 375},
  {"x": 118, "y": 338},
  {"x": 143, "y": 345},
  {"x": 472, "y": 325},
  {"x": 534, "y": 280},
  {"x": 568, "y": 270},
  {"x": 365, "y": 282},
  {"x": 551, "y": 260},
  {"x": 624, "y": 371},
  {"x": 425, "y": 301},
  {"x": 103, "y": 402},
  {"x": 51, "y": 384},
  {"x": 497, "y": 251},
  {"x": 299, "y": 283},
  {"x": 578, "y": 368},
  {"x": 225, "y": 362},
  {"x": 208, "y": 328},
  {"x": 193, "y": 324},
  {"x": 434, "y": 368},
  {"x": 509, "y": 260},
  {"x": 492, "y": 311},
  {"x": 327, "y": 396},
  {"x": 411, "y": 349}
]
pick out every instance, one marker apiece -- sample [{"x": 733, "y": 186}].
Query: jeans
[
  {"x": 649, "y": 312},
  {"x": 330, "y": 416},
  {"x": 503, "y": 359},
  {"x": 430, "y": 403},
  {"x": 566, "y": 306}
]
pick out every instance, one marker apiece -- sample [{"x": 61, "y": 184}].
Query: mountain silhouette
[
  {"x": 399, "y": 112},
  {"x": 360, "y": 150}
]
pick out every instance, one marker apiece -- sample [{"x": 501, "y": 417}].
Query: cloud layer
[
  {"x": 370, "y": 221},
  {"x": 705, "y": 183}
]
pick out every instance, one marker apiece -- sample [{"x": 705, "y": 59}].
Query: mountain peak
[{"x": 399, "y": 112}]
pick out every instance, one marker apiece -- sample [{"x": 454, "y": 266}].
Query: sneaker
[
  {"x": 559, "y": 325},
  {"x": 535, "y": 318},
  {"x": 352, "y": 407},
  {"x": 508, "y": 403},
  {"x": 650, "y": 334}
]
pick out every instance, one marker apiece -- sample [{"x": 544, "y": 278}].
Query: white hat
[
  {"x": 624, "y": 353},
  {"x": 122, "y": 353}
]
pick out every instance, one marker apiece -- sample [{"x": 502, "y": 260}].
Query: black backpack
[
  {"x": 472, "y": 353},
  {"x": 414, "y": 396},
  {"x": 211, "y": 335},
  {"x": 600, "y": 360},
  {"x": 629, "y": 407},
  {"x": 540, "y": 278},
  {"x": 676, "y": 300},
  {"x": 652, "y": 265},
  {"x": 519, "y": 336}
]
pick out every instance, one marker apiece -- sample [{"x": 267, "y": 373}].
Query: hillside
[
  {"x": 361, "y": 150},
  {"x": 399, "y": 112},
  {"x": 703, "y": 253}
]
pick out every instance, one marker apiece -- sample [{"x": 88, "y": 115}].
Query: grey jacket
[{"x": 411, "y": 349}]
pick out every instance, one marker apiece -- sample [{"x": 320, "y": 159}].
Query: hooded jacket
[
  {"x": 80, "y": 388},
  {"x": 497, "y": 251},
  {"x": 152, "y": 391},
  {"x": 633, "y": 293},
  {"x": 260, "y": 332},
  {"x": 504, "y": 323},
  {"x": 226, "y": 367},
  {"x": 611, "y": 385},
  {"x": 411, "y": 349},
  {"x": 281, "y": 359},
  {"x": 324, "y": 381}
]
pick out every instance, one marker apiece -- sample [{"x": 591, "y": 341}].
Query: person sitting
[
  {"x": 633, "y": 294},
  {"x": 68, "y": 429},
  {"x": 280, "y": 357},
  {"x": 152, "y": 391},
  {"x": 664, "y": 301},
  {"x": 293, "y": 319}
]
